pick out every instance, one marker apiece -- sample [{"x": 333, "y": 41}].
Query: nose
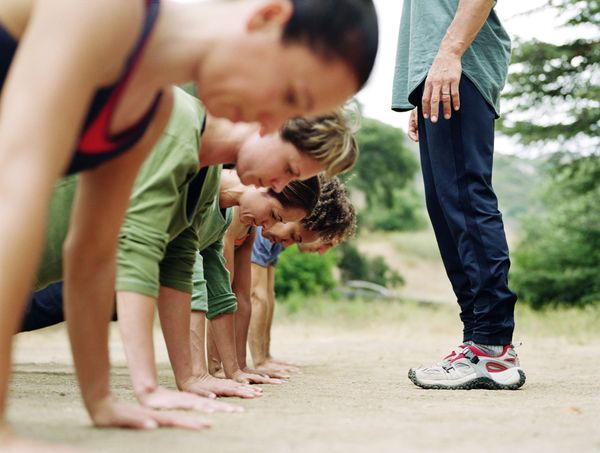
[
  {"x": 270, "y": 123},
  {"x": 278, "y": 184},
  {"x": 268, "y": 223}
]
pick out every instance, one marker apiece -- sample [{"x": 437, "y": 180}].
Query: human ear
[{"x": 270, "y": 13}]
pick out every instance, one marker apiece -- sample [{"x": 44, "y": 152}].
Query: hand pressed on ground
[{"x": 220, "y": 387}]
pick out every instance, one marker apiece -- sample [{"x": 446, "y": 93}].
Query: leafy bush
[
  {"x": 304, "y": 273},
  {"x": 558, "y": 261},
  {"x": 405, "y": 213},
  {"x": 356, "y": 266}
]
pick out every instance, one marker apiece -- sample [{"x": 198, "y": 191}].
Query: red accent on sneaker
[
  {"x": 453, "y": 353},
  {"x": 495, "y": 367}
]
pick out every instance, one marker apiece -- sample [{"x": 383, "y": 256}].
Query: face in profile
[
  {"x": 258, "y": 208},
  {"x": 290, "y": 233},
  {"x": 319, "y": 246},
  {"x": 272, "y": 162},
  {"x": 255, "y": 77}
]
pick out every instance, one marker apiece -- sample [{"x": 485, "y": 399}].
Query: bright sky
[{"x": 376, "y": 96}]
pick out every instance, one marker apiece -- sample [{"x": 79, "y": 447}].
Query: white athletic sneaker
[
  {"x": 444, "y": 361},
  {"x": 472, "y": 369}
]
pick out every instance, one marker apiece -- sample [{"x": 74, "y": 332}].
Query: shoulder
[{"x": 100, "y": 32}]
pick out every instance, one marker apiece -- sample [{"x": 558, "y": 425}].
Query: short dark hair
[
  {"x": 299, "y": 194},
  {"x": 334, "y": 217},
  {"x": 344, "y": 29}
]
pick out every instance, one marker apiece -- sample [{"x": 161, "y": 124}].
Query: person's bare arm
[
  {"x": 174, "y": 308},
  {"x": 224, "y": 334},
  {"x": 259, "y": 318},
  {"x": 445, "y": 72},
  {"x": 214, "y": 360},
  {"x": 42, "y": 108},
  {"x": 242, "y": 287}
]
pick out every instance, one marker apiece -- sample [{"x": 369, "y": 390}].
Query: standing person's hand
[
  {"x": 442, "y": 85},
  {"x": 413, "y": 126}
]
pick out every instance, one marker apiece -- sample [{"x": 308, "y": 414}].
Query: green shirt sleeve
[
  {"x": 199, "y": 294},
  {"x": 177, "y": 266},
  {"x": 218, "y": 285},
  {"x": 144, "y": 234}
]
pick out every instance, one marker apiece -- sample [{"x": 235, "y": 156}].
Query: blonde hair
[{"x": 330, "y": 138}]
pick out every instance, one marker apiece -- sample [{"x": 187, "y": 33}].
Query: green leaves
[
  {"x": 558, "y": 260},
  {"x": 553, "y": 90},
  {"x": 385, "y": 176}
]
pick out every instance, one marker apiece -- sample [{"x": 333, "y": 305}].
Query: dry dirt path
[{"x": 353, "y": 396}]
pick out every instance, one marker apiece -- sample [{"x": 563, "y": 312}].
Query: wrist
[
  {"x": 183, "y": 380},
  {"x": 451, "y": 47},
  {"x": 143, "y": 390},
  {"x": 230, "y": 367}
]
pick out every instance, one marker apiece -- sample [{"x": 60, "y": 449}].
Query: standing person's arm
[{"x": 445, "y": 72}]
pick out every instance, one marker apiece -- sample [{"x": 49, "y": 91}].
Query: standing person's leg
[
  {"x": 259, "y": 318},
  {"x": 460, "y": 154},
  {"x": 459, "y": 279}
]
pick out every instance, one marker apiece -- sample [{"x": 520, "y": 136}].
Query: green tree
[
  {"x": 554, "y": 89},
  {"x": 385, "y": 175},
  {"x": 554, "y": 99},
  {"x": 558, "y": 260}
]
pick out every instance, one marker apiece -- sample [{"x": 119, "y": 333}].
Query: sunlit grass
[{"x": 573, "y": 324}]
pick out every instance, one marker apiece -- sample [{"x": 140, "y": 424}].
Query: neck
[
  {"x": 186, "y": 35},
  {"x": 222, "y": 141},
  {"x": 230, "y": 190}
]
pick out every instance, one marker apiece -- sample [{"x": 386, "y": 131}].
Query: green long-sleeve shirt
[
  {"x": 422, "y": 27},
  {"x": 158, "y": 239},
  {"x": 212, "y": 284}
]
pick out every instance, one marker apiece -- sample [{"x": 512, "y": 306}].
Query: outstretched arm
[
  {"x": 174, "y": 308},
  {"x": 43, "y": 103},
  {"x": 221, "y": 307},
  {"x": 445, "y": 72}
]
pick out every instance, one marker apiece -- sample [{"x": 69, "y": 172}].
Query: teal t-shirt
[
  {"x": 422, "y": 28},
  {"x": 158, "y": 241}
]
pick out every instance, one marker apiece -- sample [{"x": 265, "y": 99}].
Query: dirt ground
[{"x": 353, "y": 396}]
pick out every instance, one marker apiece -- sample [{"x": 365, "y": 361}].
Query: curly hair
[
  {"x": 330, "y": 138},
  {"x": 334, "y": 217},
  {"x": 300, "y": 194}
]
